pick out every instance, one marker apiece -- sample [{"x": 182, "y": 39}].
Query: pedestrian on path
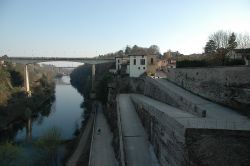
[{"x": 99, "y": 131}]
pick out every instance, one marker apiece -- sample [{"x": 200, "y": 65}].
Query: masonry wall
[
  {"x": 167, "y": 95},
  {"x": 176, "y": 145},
  {"x": 229, "y": 86},
  {"x": 165, "y": 134},
  {"x": 218, "y": 147}
]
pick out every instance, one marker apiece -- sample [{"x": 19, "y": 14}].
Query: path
[
  {"x": 136, "y": 145},
  {"x": 101, "y": 149},
  {"x": 82, "y": 143}
]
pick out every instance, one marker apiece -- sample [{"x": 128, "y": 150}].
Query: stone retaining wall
[
  {"x": 229, "y": 86},
  {"x": 169, "y": 96},
  {"x": 176, "y": 145},
  {"x": 165, "y": 134}
]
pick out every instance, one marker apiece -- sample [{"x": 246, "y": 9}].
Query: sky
[{"x": 87, "y": 28}]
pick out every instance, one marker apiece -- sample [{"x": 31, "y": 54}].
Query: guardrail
[
  {"x": 121, "y": 143},
  {"x": 93, "y": 134}
]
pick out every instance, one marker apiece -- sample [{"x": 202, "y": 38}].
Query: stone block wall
[
  {"x": 165, "y": 134},
  {"x": 229, "y": 86},
  {"x": 169, "y": 96},
  {"x": 176, "y": 145},
  {"x": 218, "y": 147}
]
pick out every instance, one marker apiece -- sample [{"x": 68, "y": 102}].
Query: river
[{"x": 65, "y": 113}]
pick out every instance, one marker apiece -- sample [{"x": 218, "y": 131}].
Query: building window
[
  {"x": 142, "y": 62},
  {"x": 152, "y": 61},
  {"x": 118, "y": 60},
  {"x": 139, "y": 68},
  {"x": 144, "y": 68},
  {"x": 134, "y": 61}
]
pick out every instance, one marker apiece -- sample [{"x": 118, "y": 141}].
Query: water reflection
[{"x": 64, "y": 113}]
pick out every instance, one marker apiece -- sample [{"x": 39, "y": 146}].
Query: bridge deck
[{"x": 30, "y": 60}]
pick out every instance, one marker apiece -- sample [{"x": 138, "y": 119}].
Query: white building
[{"x": 137, "y": 65}]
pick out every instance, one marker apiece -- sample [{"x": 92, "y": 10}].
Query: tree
[
  {"x": 232, "y": 44},
  {"x": 127, "y": 50},
  {"x": 220, "y": 38},
  {"x": 243, "y": 40},
  {"x": 210, "y": 47},
  {"x": 153, "y": 50},
  {"x": 138, "y": 50}
]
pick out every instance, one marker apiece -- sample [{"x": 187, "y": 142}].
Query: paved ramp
[
  {"x": 136, "y": 145},
  {"x": 102, "y": 153},
  {"x": 217, "y": 116},
  {"x": 214, "y": 111}
]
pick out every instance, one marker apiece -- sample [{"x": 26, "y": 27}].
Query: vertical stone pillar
[
  {"x": 26, "y": 81},
  {"x": 93, "y": 76}
]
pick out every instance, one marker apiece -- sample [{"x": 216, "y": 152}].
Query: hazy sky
[{"x": 93, "y": 27}]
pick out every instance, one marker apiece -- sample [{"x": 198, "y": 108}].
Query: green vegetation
[
  {"x": 13, "y": 101},
  {"x": 102, "y": 88},
  {"x": 80, "y": 78},
  {"x": 208, "y": 61},
  {"x": 10, "y": 155},
  {"x": 47, "y": 151},
  {"x": 47, "y": 148},
  {"x": 152, "y": 50},
  {"x": 191, "y": 63}
]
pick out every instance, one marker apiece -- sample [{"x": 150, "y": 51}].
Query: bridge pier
[
  {"x": 26, "y": 81},
  {"x": 93, "y": 76}
]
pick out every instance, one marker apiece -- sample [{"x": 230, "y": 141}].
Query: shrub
[
  {"x": 48, "y": 148},
  {"x": 191, "y": 63},
  {"x": 232, "y": 62},
  {"x": 11, "y": 155}
]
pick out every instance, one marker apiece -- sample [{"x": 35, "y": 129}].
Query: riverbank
[{"x": 16, "y": 107}]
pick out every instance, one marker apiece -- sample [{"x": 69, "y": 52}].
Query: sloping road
[
  {"x": 136, "y": 145},
  {"x": 102, "y": 153},
  {"x": 214, "y": 111}
]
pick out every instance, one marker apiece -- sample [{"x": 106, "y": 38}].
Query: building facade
[{"x": 137, "y": 65}]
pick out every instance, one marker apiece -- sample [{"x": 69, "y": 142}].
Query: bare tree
[
  {"x": 220, "y": 38},
  {"x": 243, "y": 40}
]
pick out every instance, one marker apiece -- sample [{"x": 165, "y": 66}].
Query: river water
[{"x": 65, "y": 113}]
